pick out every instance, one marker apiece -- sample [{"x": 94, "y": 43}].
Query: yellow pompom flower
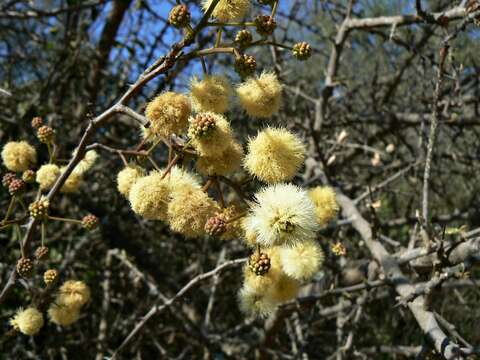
[
  {"x": 18, "y": 156},
  {"x": 73, "y": 182},
  {"x": 47, "y": 175},
  {"x": 274, "y": 155},
  {"x": 302, "y": 260},
  {"x": 228, "y": 10},
  {"x": 261, "y": 96},
  {"x": 283, "y": 290},
  {"x": 63, "y": 315},
  {"x": 149, "y": 196},
  {"x": 325, "y": 201},
  {"x": 282, "y": 214},
  {"x": 216, "y": 140},
  {"x": 189, "y": 210},
  {"x": 73, "y": 293},
  {"x": 28, "y": 321},
  {"x": 127, "y": 177},
  {"x": 168, "y": 113},
  {"x": 255, "y": 303},
  {"x": 86, "y": 163},
  {"x": 210, "y": 94},
  {"x": 225, "y": 163},
  {"x": 180, "y": 179}
]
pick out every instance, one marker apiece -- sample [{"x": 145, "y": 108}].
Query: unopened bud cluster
[
  {"x": 25, "y": 267},
  {"x": 7, "y": 179},
  {"x": 201, "y": 125},
  {"x": 179, "y": 16},
  {"x": 259, "y": 264},
  {"x": 50, "y": 276},
  {"x": 245, "y": 65},
  {"x": 90, "y": 222},
  {"x": 39, "y": 209},
  {"x": 216, "y": 225},
  {"x": 302, "y": 51},
  {"x": 37, "y": 122},
  {"x": 265, "y": 25},
  {"x": 243, "y": 38},
  {"x": 16, "y": 187},
  {"x": 28, "y": 176},
  {"x": 46, "y": 134},
  {"x": 41, "y": 252}
]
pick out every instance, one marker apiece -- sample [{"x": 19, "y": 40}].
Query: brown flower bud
[
  {"x": 16, "y": 187},
  {"x": 7, "y": 179},
  {"x": 243, "y": 38},
  {"x": 90, "y": 222},
  {"x": 265, "y": 25},
  {"x": 179, "y": 16},
  {"x": 215, "y": 226},
  {"x": 245, "y": 65},
  {"x": 41, "y": 252},
  {"x": 37, "y": 122},
  {"x": 302, "y": 51},
  {"x": 259, "y": 263},
  {"x": 25, "y": 267},
  {"x": 46, "y": 134}
]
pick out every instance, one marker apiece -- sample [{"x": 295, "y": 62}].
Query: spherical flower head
[
  {"x": 217, "y": 140},
  {"x": 261, "y": 96},
  {"x": 283, "y": 290},
  {"x": 301, "y": 260},
  {"x": 325, "y": 201},
  {"x": 225, "y": 163},
  {"x": 73, "y": 182},
  {"x": 73, "y": 293},
  {"x": 228, "y": 10},
  {"x": 149, "y": 196},
  {"x": 47, "y": 175},
  {"x": 274, "y": 155},
  {"x": 18, "y": 156},
  {"x": 46, "y": 134},
  {"x": 63, "y": 315},
  {"x": 210, "y": 94},
  {"x": 180, "y": 179},
  {"x": 149, "y": 136},
  {"x": 283, "y": 214},
  {"x": 189, "y": 210},
  {"x": 28, "y": 321},
  {"x": 168, "y": 113},
  {"x": 256, "y": 304},
  {"x": 86, "y": 163},
  {"x": 127, "y": 177}
]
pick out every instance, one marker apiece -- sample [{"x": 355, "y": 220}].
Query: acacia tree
[{"x": 383, "y": 112}]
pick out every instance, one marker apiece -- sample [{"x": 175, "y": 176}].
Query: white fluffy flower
[{"x": 283, "y": 214}]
